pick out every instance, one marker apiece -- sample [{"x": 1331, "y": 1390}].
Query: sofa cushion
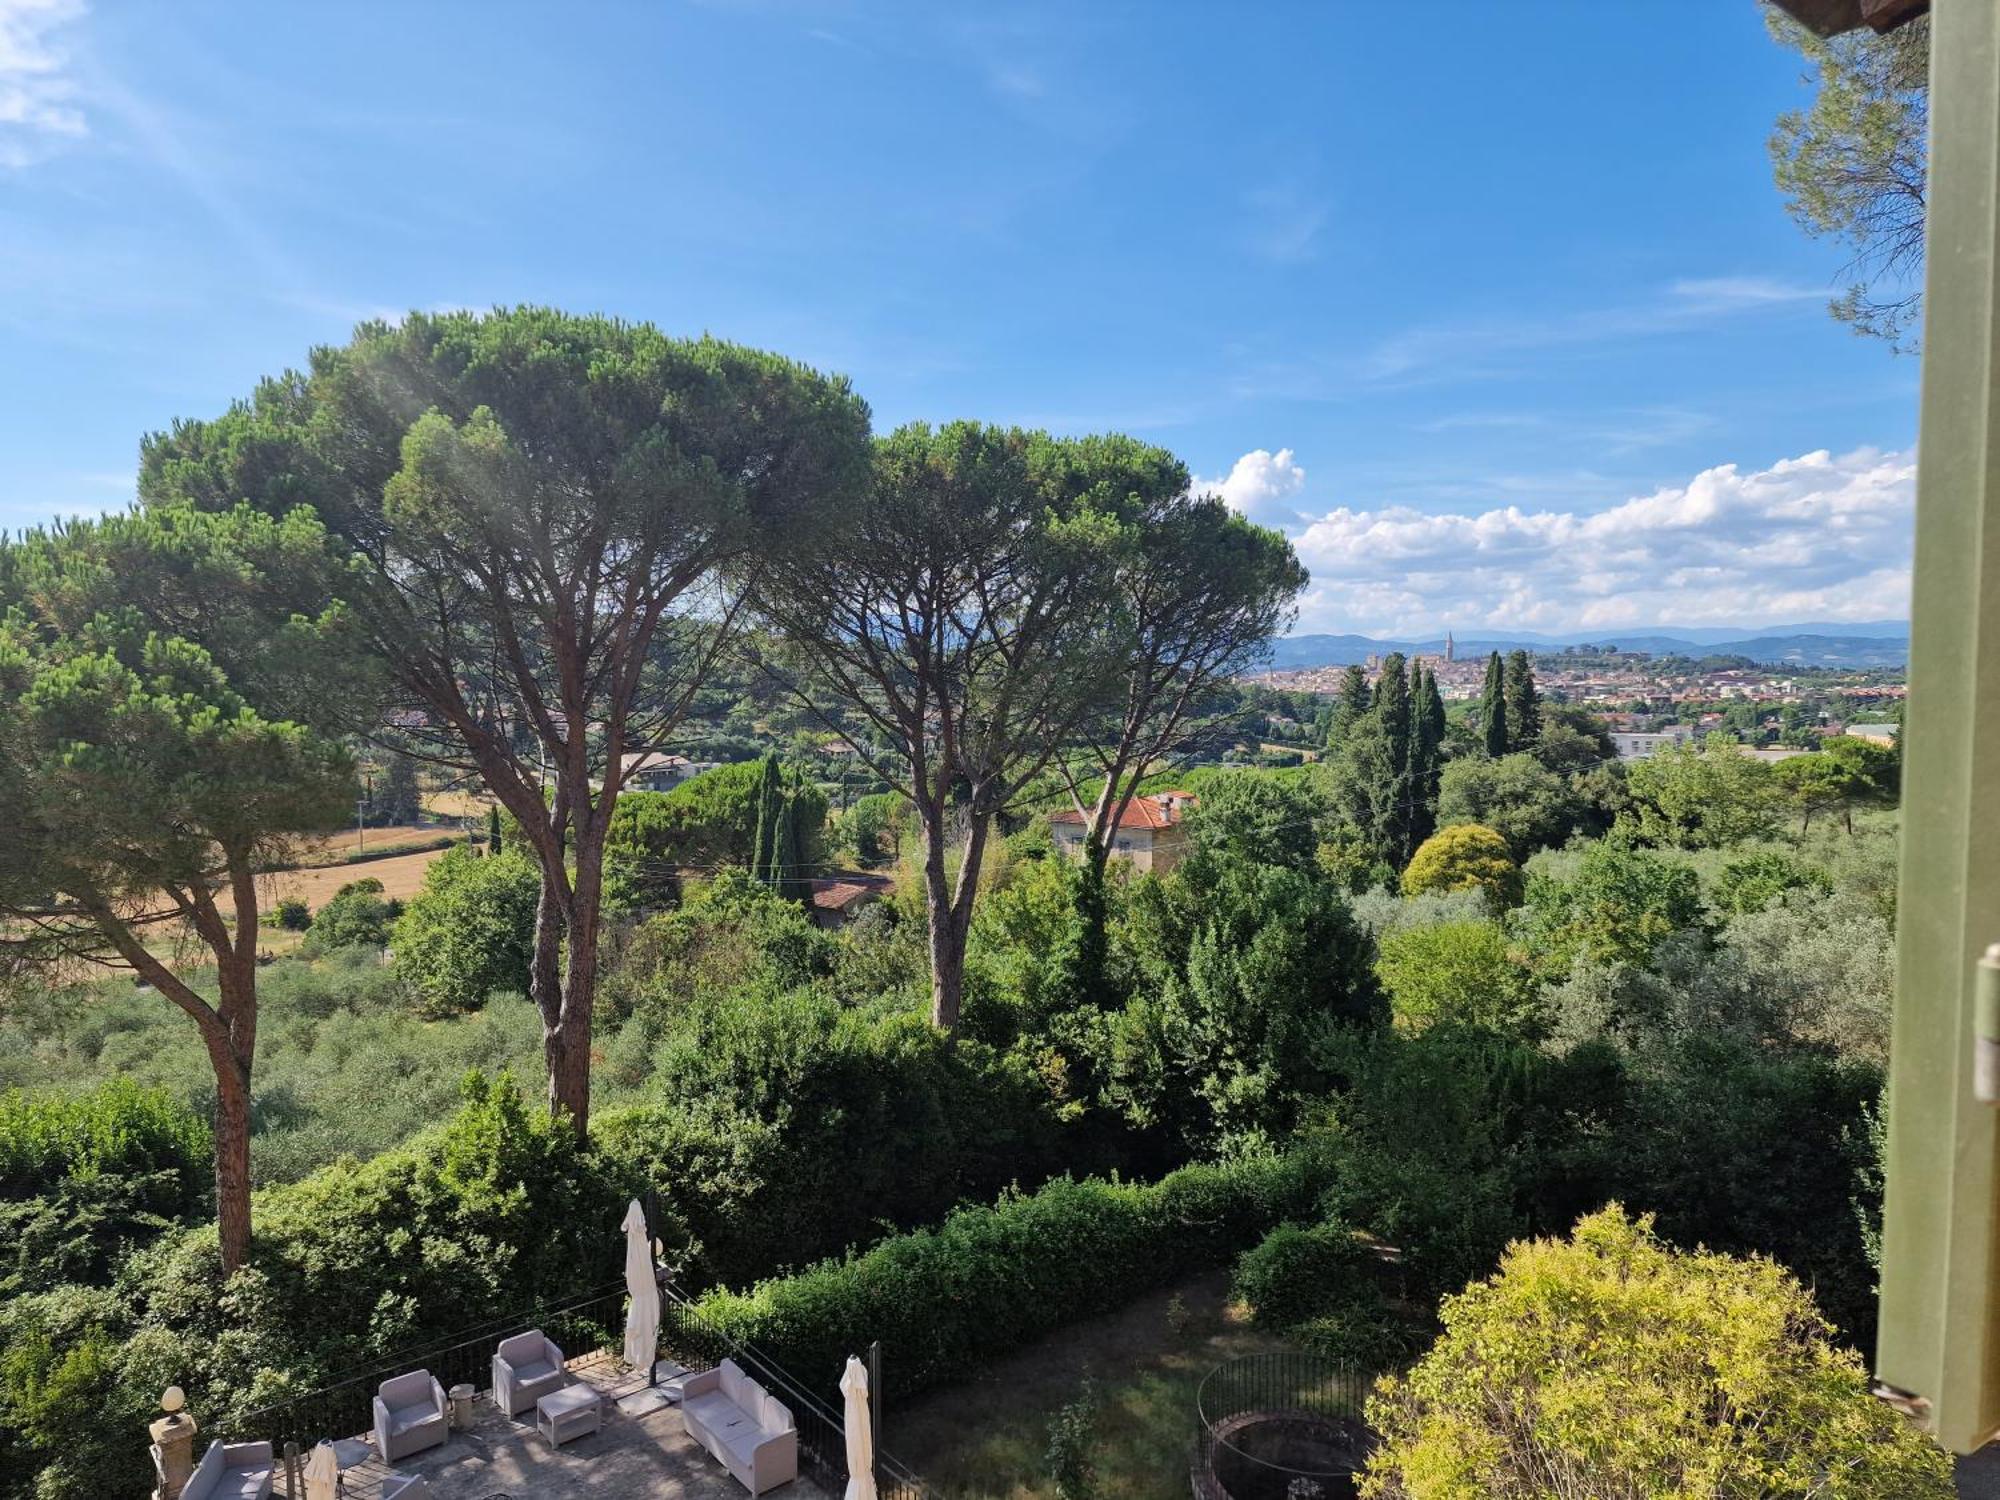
[
  {"x": 741, "y": 1442},
  {"x": 406, "y": 1390},
  {"x": 534, "y": 1370},
  {"x": 776, "y": 1416},
  {"x": 245, "y": 1484},
  {"x": 202, "y": 1481},
  {"x": 524, "y": 1347},
  {"x": 408, "y": 1418},
  {"x": 734, "y": 1381}
]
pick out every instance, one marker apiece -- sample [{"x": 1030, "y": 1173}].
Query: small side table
[
  {"x": 569, "y": 1413},
  {"x": 350, "y": 1453}
]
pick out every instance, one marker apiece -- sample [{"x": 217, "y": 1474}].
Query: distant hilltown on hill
[{"x": 1875, "y": 643}]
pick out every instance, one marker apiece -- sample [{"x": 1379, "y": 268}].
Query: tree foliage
[
  {"x": 1453, "y": 972},
  {"x": 1611, "y": 1365},
  {"x": 469, "y": 933},
  {"x": 141, "y": 787},
  {"x": 1700, "y": 797},
  {"x": 1852, "y": 164},
  {"x": 546, "y": 513},
  {"x": 1461, "y": 857},
  {"x": 959, "y": 632}
]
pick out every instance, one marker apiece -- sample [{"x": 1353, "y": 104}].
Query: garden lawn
[{"x": 987, "y": 1437}]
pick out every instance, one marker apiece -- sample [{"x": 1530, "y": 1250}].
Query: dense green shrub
[
  {"x": 788, "y": 1127},
  {"x": 990, "y": 1280},
  {"x": 1752, "y": 883},
  {"x": 1453, "y": 972},
  {"x": 355, "y": 917},
  {"x": 498, "y": 1209},
  {"x": 1461, "y": 857},
  {"x": 85, "y": 1177},
  {"x": 1297, "y": 1273},
  {"x": 1617, "y": 908},
  {"x": 71, "y": 1401},
  {"x": 1454, "y": 1141},
  {"x": 470, "y": 931},
  {"x": 1241, "y": 969},
  {"x": 1628, "y": 1369}
]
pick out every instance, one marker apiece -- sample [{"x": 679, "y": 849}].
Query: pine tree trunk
[
  {"x": 566, "y": 1044},
  {"x": 232, "y": 1160},
  {"x": 947, "y": 957}
]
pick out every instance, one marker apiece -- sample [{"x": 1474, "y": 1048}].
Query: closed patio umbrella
[
  {"x": 642, "y": 1310},
  {"x": 860, "y": 1435},
  {"x": 322, "y": 1473}
]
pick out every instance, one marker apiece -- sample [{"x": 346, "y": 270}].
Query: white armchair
[
  {"x": 409, "y": 1415},
  {"x": 525, "y": 1369},
  {"x": 232, "y": 1471}
]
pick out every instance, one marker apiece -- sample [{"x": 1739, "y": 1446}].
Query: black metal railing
[
  {"x": 690, "y": 1339},
  {"x": 345, "y": 1406},
  {"x": 1287, "y": 1423},
  {"x": 588, "y": 1323}
]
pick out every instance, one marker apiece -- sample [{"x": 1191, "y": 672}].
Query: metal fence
[
  {"x": 589, "y": 1322},
  {"x": 1280, "y": 1424},
  {"x": 690, "y": 1339},
  {"x": 345, "y": 1406}
]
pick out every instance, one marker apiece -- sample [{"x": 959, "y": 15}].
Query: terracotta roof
[
  {"x": 1141, "y": 812},
  {"x": 838, "y": 892}
]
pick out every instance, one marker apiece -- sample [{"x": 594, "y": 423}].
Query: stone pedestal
[{"x": 173, "y": 1453}]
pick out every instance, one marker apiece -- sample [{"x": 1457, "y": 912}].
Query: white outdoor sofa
[
  {"x": 747, "y": 1429},
  {"x": 410, "y": 1415},
  {"x": 525, "y": 1369},
  {"x": 231, "y": 1471}
]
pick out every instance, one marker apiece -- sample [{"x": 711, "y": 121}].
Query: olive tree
[{"x": 553, "y": 518}]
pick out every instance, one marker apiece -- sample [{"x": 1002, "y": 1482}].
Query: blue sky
[{"x": 1493, "y": 306}]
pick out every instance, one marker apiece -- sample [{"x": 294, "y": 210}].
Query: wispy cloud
[
  {"x": 1282, "y": 223},
  {"x": 40, "y": 108},
  {"x": 1496, "y": 348}
]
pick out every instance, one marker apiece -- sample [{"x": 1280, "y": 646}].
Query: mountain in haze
[{"x": 1870, "y": 643}]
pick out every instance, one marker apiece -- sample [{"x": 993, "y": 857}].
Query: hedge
[{"x": 991, "y": 1280}]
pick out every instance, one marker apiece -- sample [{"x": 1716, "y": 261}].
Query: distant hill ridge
[{"x": 1869, "y": 643}]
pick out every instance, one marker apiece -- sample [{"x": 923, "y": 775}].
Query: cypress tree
[
  {"x": 770, "y": 808},
  {"x": 788, "y": 874},
  {"x": 1493, "y": 707},
  {"x": 1427, "y": 725},
  {"x": 1392, "y": 714},
  {"x": 1524, "y": 710},
  {"x": 1352, "y": 704},
  {"x": 493, "y": 828}
]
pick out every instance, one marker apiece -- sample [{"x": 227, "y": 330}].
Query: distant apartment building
[
  {"x": 657, "y": 771},
  {"x": 1149, "y": 833},
  {"x": 1881, "y": 734},
  {"x": 1637, "y": 744}
]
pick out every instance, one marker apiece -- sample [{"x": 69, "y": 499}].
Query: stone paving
[{"x": 642, "y": 1452}]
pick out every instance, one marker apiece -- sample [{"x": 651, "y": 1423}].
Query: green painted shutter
[{"x": 1938, "y": 1304}]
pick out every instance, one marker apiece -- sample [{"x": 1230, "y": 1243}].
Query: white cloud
[
  {"x": 38, "y": 108},
  {"x": 1257, "y": 482},
  {"x": 1819, "y": 537}
]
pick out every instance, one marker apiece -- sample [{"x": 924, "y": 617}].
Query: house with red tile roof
[{"x": 1149, "y": 832}]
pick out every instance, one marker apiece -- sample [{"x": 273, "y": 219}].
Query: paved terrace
[{"x": 642, "y": 1450}]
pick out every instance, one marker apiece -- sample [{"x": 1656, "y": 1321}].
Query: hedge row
[{"x": 989, "y": 1281}]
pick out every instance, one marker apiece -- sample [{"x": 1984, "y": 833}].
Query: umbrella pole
[{"x": 875, "y": 1409}]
